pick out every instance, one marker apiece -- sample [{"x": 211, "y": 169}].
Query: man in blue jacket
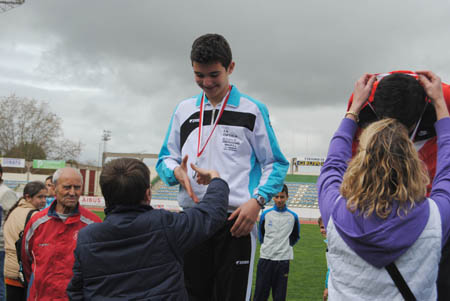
[{"x": 137, "y": 252}]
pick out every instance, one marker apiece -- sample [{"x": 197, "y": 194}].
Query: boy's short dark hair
[
  {"x": 399, "y": 96},
  {"x": 49, "y": 178},
  {"x": 285, "y": 190},
  {"x": 319, "y": 220},
  {"x": 124, "y": 181},
  {"x": 211, "y": 48}
]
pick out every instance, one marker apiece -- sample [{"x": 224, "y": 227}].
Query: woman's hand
[
  {"x": 433, "y": 87},
  {"x": 361, "y": 93}
]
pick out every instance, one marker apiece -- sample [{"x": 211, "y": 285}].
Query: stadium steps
[
  {"x": 301, "y": 195},
  {"x": 165, "y": 192}
]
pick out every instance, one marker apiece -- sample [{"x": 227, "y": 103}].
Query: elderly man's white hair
[{"x": 58, "y": 172}]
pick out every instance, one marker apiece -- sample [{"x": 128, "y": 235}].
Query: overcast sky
[{"x": 124, "y": 65}]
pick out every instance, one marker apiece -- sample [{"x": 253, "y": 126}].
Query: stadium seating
[
  {"x": 165, "y": 192},
  {"x": 301, "y": 195}
]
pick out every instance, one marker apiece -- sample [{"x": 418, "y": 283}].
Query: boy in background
[{"x": 279, "y": 231}]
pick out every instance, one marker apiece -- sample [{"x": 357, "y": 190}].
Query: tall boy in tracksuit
[
  {"x": 279, "y": 231},
  {"x": 228, "y": 131}
]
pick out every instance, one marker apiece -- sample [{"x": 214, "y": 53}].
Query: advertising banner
[
  {"x": 95, "y": 201},
  {"x": 12, "y": 162},
  {"x": 99, "y": 202},
  {"x": 308, "y": 165},
  {"x": 310, "y": 161},
  {"x": 49, "y": 164}
]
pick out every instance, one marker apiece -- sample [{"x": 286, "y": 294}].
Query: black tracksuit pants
[
  {"x": 271, "y": 274},
  {"x": 221, "y": 268}
]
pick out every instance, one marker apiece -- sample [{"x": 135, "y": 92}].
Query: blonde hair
[{"x": 385, "y": 170}]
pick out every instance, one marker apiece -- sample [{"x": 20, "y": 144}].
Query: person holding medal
[{"x": 224, "y": 130}]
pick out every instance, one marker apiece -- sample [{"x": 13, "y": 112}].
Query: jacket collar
[
  {"x": 233, "y": 101},
  {"x": 52, "y": 210},
  {"x": 280, "y": 210},
  {"x": 127, "y": 208}
]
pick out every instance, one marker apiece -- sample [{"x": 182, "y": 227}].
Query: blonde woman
[
  {"x": 375, "y": 209},
  {"x": 34, "y": 195}
]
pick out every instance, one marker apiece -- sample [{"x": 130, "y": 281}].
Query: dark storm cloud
[
  {"x": 301, "y": 50},
  {"x": 111, "y": 61}
]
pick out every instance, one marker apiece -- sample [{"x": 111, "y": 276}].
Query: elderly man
[
  {"x": 7, "y": 199},
  {"x": 50, "y": 238}
]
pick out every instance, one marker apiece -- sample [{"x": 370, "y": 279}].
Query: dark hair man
[
  {"x": 136, "y": 253},
  {"x": 7, "y": 199},
  {"x": 399, "y": 95},
  {"x": 225, "y": 130},
  {"x": 50, "y": 238}
]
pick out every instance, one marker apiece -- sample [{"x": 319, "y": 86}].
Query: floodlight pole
[{"x": 105, "y": 137}]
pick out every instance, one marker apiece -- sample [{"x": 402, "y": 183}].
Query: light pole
[{"x": 105, "y": 138}]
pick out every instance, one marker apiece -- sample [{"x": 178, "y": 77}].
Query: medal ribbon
[{"x": 200, "y": 126}]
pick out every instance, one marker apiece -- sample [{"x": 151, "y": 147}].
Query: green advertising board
[{"x": 49, "y": 164}]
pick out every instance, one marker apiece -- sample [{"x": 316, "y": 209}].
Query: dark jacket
[{"x": 137, "y": 252}]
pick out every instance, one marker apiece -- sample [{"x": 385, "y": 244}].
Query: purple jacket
[{"x": 381, "y": 241}]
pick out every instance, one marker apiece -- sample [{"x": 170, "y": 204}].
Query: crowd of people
[{"x": 384, "y": 198}]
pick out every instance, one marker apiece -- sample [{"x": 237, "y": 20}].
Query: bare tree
[
  {"x": 64, "y": 149},
  {"x": 29, "y": 122},
  {"x": 28, "y": 151}
]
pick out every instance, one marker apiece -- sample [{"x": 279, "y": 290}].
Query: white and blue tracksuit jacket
[
  {"x": 243, "y": 148},
  {"x": 279, "y": 231}
]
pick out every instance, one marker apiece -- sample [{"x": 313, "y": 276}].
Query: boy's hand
[
  {"x": 204, "y": 176},
  {"x": 246, "y": 215},
  {"x": 180, "y": 173}
]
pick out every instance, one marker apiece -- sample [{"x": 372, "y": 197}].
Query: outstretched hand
[
  {"x": 363, "y": 87},
  {"x": 204, "y": 176},
  {"x": 180, "y": 173},
  {"x": 432, "y": 85}
]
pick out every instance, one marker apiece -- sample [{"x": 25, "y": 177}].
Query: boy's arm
[
  {"x": 75, "y": 287},
  {"x": 274, "y": 168},
  {"x": 170, "y": 154},
  {"x": 170, "y": 167},
  {"x": 273, "y": 163},
  {"x": 261, "y": 229},
  {"x": 294, "y": 237}
]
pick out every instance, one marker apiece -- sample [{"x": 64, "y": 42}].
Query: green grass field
[
  {"x": 307, "y": 270},
  {"x": 309, "y": 267},
  {"x": 301, "y": 178}
]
